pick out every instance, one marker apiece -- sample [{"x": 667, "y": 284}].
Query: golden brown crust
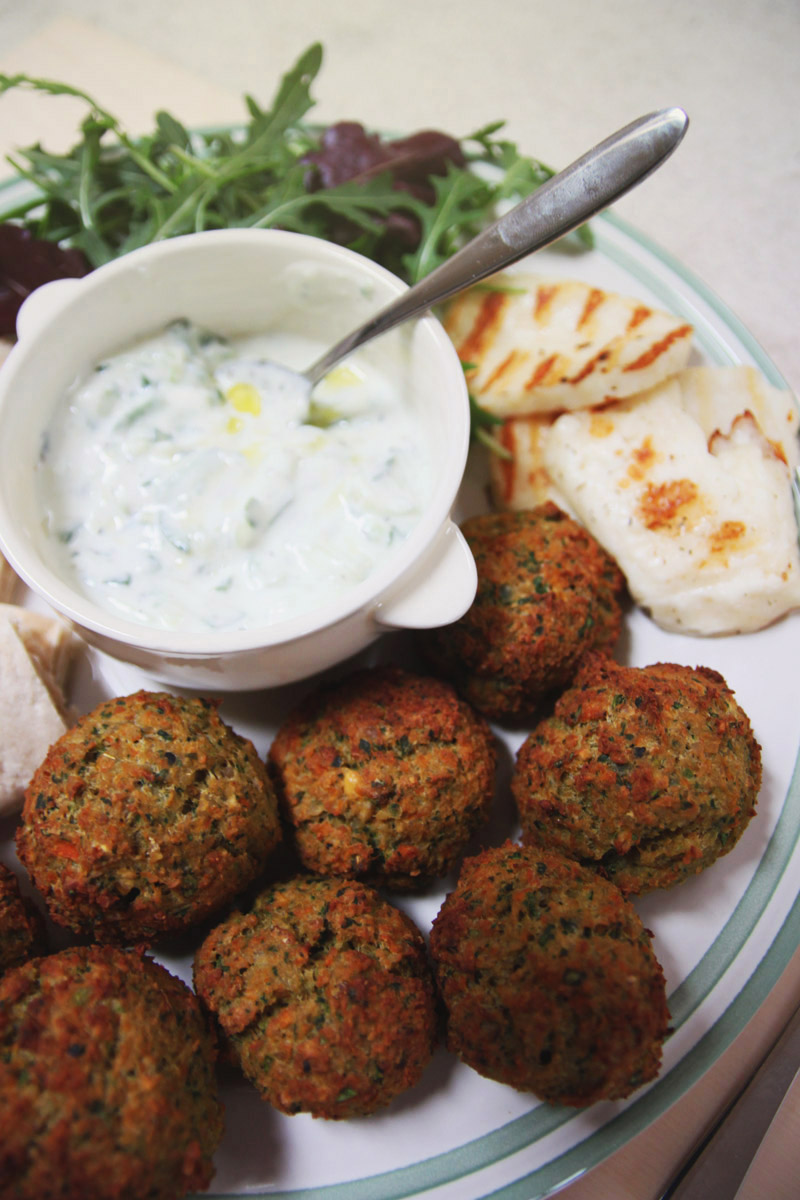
[
  {"x": 145, "y": 817},
  {"x": 324, "y": 993},
  {"x": 547, "y": 593},
  {"x": 107, "y": 1081},
  {"x": 22, "y": 928},
  {"x": 384, "y": 775},
  {"x": 549, "y": 978},
  {"x": 650, "y": 773}
]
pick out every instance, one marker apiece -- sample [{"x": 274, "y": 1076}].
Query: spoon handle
[{"x": 580, "y": 191}]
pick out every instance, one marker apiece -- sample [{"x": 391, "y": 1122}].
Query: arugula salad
[{"x": 407, "y": 203}]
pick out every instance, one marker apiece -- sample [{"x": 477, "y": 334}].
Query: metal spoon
[{"x": 564, "y": 202}]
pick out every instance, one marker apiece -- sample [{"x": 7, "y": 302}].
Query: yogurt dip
[{"x": 185, "y": 484}]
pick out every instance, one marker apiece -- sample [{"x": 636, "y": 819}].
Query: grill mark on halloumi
[
  {"x": 489, "y": 315},
  {"x": 593, "y": 301},
  {"x": 542, "y": 345},
  {"x": 665, "y": 505},
  {"x": 641, "y": 313},
  {"x": 642, "y": 459},
  {"x": 601, "y": 357},
  {"x": 542, "y": 372},
  {"x": 544, "y": 297},
  {"x": 504, "y": 470},
  {"x": 722, "y": 539},
  {"x": 507, "y": 362},
  {"x": 654, "y": 352}
]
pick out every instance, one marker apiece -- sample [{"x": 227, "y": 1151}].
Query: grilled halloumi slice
[
  {"x": 689, "y": 487},
  {"x": 522, "y": 480},
  {"x": 533, "y": 345},
  {"x": 713, "y": 396}
]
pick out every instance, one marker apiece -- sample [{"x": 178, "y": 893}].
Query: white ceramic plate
[{"x": 723, "y": 938}]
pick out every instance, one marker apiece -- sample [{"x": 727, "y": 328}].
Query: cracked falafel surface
[
  {"x": 324, "y": 993},
  {"x": 649, "y": 773},
  {"x": 146, "y": 817}
]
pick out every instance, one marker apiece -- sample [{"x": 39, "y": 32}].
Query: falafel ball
[
  {"x": 146, "y": 817},
  {"x": 650, "y": 773},
  {"x": 547, "y": 593},
  {"x": 384, "y": 775},
  {"x": 107, "y": 1085},
  {"x": 325, "y": 994},
  {"x": 22, "y": 928},
  {"x": 549, "y": 978}
]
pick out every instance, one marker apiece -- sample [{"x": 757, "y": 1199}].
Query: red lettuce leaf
[
  {"x": 26, "y": 262},
  {"x": 347, "y": 152}
]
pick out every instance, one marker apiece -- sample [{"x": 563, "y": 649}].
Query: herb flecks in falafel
[
  {"x": 22, "y": 927},
  {"x": 648, "y": 773},
  {"x": 146, "y": 817},
  {"x": 549, "y": 978},
  {"x": 325, "y": 995},
  {"x": 384, "y": 775},
  {"x": 547, "y": 593},
  {"x": 107, "y": 1085}
]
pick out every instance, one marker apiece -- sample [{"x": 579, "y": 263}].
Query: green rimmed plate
[{"x": 723, "y": 938}]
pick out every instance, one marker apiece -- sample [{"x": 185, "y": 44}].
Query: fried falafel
[
  {"x": 549, "y": 978},
  {"x": 649, "y": 773},
  {"x": 384, "y": 775},
  {"x": 547, "y": 593},
  {"x": 22, "y": 927},
  {"x": 146, "y": 817},
  {"x": 107, "y": 1086},
  {"x": 325, "y": 995}
]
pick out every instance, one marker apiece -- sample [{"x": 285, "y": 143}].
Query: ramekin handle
[
  {"x": 440, "y": 590},
  {"x": 45, "y": 300}
]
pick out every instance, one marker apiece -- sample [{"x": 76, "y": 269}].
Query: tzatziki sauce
[{"x": 185, "y": 484}]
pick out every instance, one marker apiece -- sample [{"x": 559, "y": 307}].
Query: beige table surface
[{"x": 563, "y": 74}]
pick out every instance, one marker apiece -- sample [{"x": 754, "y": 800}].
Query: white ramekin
[{"x": 237, "y": 281}]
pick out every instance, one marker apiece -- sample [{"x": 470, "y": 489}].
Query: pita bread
[
  {"x": 534, "y": 345},
  {"x": 49, "y": 642},
  {"x": 30, "y": 721}
]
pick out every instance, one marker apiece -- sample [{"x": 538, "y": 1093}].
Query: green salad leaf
[{"x": 111, "y": 192}]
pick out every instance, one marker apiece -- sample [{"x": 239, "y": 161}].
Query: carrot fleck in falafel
[
  {"x": 107, "y": 1086},
  {"x": 547, "y": 593},
  {"x": 146, "y": 817},
  {"x": 549, "y": 978},
  {"x": 22, "y": 928},
  {"x": 385, "y": 775},
  {"x": 650, "y": 773},
  {"x": 325, "y": 995}
]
